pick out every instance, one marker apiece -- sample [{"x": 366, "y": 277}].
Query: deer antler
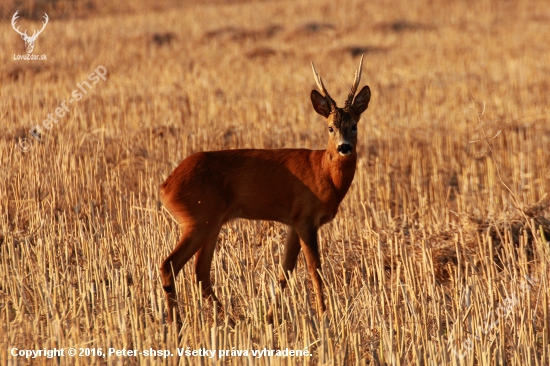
[
  {"x": 24, "y": 34},
  {"x": 13, "y": 19},
  {"x": 43, "y": 26},
  {"x": 321, "y": 87},
  {"x": 355, "y": 84}
]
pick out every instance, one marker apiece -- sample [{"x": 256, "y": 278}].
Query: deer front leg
[
  {"x": 290, "y": 257},
  {"x": 308, "y": 242}
]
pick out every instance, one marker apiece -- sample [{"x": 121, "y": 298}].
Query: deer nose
[{"x": 345, "y": 149}]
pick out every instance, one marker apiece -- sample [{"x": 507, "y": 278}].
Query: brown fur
[{"x": 297, "y": 187}]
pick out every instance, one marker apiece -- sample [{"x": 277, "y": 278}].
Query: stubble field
[{"x": 439, "y": 253}]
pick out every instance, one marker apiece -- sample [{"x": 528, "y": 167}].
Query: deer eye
[
  {"x": 354, "y": 128},
  {"x": 330, "y": 129}
]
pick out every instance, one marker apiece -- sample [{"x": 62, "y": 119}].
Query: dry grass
[{"x": 431, "y": 260}]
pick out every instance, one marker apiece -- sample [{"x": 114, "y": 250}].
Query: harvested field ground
[{"x": 439, "y": 254}]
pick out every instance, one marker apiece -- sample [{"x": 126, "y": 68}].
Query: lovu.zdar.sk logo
[{"x": 29, "y": 40}]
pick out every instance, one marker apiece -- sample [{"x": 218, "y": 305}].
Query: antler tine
[
  {"x": 319, "y": 81},
  {"x": 322, "y": 88},
  {"x": 357, "y": 78},
  {"x": 43, "y": 24},
  {"x": 13, "y": 20},
  {"x": 355, "y": 84}
]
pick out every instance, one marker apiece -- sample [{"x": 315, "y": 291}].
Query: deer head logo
[{"x": 29, "y": 41}]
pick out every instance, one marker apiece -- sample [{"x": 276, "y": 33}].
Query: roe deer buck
[{"x": 297, "y": 187}]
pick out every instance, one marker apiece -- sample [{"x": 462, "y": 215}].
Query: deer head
[
  {"x": 342, "y": 122},
  {"x": 29, "y": 41}
]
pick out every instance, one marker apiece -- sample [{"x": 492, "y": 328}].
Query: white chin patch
[{"x": 344, "y": 154}]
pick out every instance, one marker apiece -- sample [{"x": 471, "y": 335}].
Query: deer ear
[
  {"x": 361, "y": 101},
  {"x": 320, "y": 103}
]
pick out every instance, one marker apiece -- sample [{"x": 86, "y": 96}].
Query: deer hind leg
[
  {"x": 309, "y": 244},
  {"x": 203, "y": 264},
  {"x": 290, "y": 257},
  {"x": 192, "y": 239}
]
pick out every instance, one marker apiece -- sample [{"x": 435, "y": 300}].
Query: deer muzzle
[{"x": 345, "y": 149}]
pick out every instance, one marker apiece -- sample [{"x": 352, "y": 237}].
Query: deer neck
[{"x": 340, "y": 169}]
